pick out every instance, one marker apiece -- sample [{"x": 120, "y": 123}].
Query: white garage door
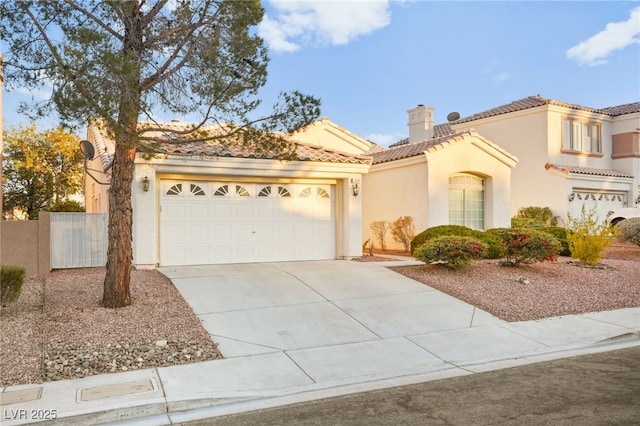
[
  {"x": 229, "y": 222},
  {"x": 602, "y": 202}
]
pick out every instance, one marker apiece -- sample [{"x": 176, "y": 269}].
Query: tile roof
[
  {"x": 588, "y": 170},
  {"x": 439, "y": 130},
  {"x": 304, "y": 152},
  {"x": 168, "y": 142},
  {"x": 414, "y": 149},
  {"x": 622, "y": 109},
  {"x": 536, "y": 101},
  {"x": 520, "y": 105}
]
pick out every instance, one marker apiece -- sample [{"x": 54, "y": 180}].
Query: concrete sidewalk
[{"x": 293, "y": 332}]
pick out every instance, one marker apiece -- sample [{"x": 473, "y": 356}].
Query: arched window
[{"x": 466, "y": 201}]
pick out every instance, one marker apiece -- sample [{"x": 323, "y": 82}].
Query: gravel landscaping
[
  {"x": 540, "y": 290},
  {"x": 57, "y": 330}
]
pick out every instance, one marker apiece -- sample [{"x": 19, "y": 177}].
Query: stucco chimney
[{"x": 420, "y": 123}]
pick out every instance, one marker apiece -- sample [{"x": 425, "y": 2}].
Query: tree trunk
[
  {"x": 117, "y": 293},
  {"x": 120, "y": 254}
]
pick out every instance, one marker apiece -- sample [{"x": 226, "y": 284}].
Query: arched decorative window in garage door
[{"x": 466, "y": 201}]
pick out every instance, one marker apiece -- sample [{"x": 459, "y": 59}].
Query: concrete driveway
[
  {"x": 344, "y": 321},
  {"x": 332, "y": 313}
]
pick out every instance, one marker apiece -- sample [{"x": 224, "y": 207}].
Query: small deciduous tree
[
  {"x": 380, "y": 229},
  {"x": 589, "y": 237},
  {"x": 40, "y": 168},
  {"x": 403, "y": 230}
]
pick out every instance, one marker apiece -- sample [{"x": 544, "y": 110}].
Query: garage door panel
[
  {"x": 241, "y": 212},
  {"x": 173, "y": 211},
  {"x": 600, "y": 202},
  {"x": 218, "y": 226}
]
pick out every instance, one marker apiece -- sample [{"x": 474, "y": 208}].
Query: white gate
[{"x": 78, "y": 240}]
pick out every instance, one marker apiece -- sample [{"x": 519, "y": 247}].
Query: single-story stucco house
[{"x": 196, "y": 204}]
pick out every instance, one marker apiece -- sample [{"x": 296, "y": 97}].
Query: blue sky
[{"x": 371, "y": 60}]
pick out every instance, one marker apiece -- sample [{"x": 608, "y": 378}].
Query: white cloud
[
  {"x": 35, "y": 94},
  {"x": 615, "y": 36},
  {"x": 501, "y": 77},
  {"x": 384, "y": 140},
  {"x": 296, "y": 24}
]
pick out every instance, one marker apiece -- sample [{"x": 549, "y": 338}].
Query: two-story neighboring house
[
  {"x": 535, "y": 152},
  {"x": 570, "y": 155}
]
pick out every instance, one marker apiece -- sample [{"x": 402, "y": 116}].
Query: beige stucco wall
[
  {"x": 392, "y": 190},
  {"x": 419, "y": 186},
  {"x": 27, "y": 243}
]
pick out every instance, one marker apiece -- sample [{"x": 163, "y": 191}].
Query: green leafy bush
[
  {"x": 11, "y": 279},
  {"x": 559, "y": 234},
  {"x": 588, "y": 237},
  {"x": 67, "y": 206},
  {"x": 494, "y": 244},
  {"x": 534, "y": 217},
  {"x": 403, "y": 230},
  {"x": 630, "y": 230},
  {"x": 526, "y": 245},
  {"x": 452, "y": 251}
]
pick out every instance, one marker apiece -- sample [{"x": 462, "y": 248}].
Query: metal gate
[{"x": 78, "y": 240}]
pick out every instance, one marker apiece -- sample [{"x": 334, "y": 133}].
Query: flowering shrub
[
  {"x": 526, "y": 245},
  {"x": 589, "y": 237},
  {"x": 452, "y": 251},
  {"x": 630, "y": 230}
]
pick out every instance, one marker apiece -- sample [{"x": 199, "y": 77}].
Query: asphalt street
[{"x": 597, "y": 389}]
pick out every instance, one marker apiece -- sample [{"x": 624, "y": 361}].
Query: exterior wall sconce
[
  {"x": 355, "y": 187},
  {"x": 145, "y": 184}
]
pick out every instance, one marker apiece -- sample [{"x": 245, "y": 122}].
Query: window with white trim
[
  {"x": 581, "y": 136},
  {"x": 466, "y": 201}
]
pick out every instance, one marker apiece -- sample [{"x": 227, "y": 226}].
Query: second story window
[{"x": 581, "y": 136}]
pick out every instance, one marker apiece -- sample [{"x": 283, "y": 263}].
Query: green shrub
[
  {"x": 534, "y": 217},
  {"x": 452, "y": 251},
  {"x": 559, "y": 234},
  {"x": 403, "y": 230},
  {"x": 11, "y": 279},
  {"x": 438, "y": 231},
  {"x": 588, "y": 237},
  {"x": 67, "y": 206},
  {"x": 630, "y": 230},
  {"x": 494, "y": 244},
  {"x": 526, "y": 245}
]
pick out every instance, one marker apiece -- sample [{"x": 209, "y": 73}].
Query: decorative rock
[
  {"x": 161, "y": 343},
  {"x": 524, "y": 281},
  {"x": 144, "y": 348}
]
